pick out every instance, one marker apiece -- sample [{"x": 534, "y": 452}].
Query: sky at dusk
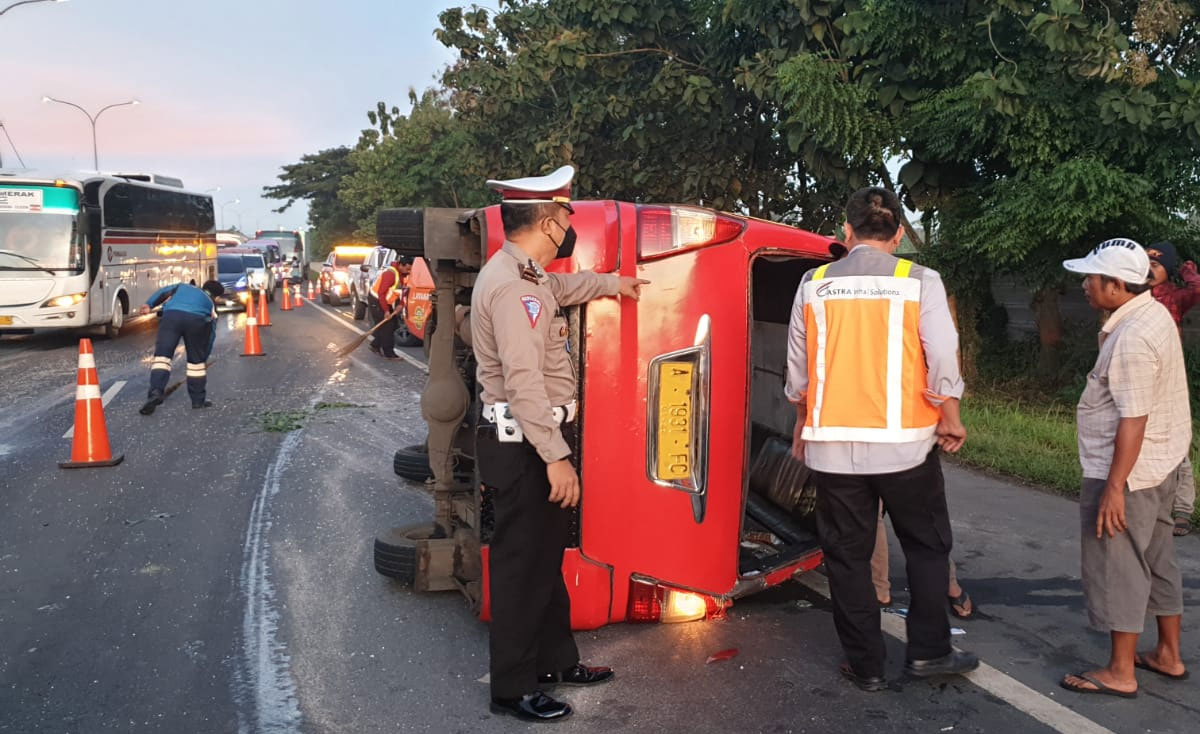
[{"x": 230, "y": 90}]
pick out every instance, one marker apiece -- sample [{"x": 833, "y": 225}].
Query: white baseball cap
[{"x": 1118, "y": 258}]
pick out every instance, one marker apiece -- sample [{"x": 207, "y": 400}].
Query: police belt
[{"x": 562, "y": 413}]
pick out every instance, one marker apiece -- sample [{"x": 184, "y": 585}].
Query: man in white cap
[
  {"x": 1134, "y": 428},
  {"x": 519, "y": 334}
]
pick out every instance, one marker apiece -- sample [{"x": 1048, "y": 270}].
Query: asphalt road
[{"x": 220, "y": 579}]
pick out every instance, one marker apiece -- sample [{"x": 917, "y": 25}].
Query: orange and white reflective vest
[
  {"x": 393, "y": 294},
  {"x": 866, "y": 365}
]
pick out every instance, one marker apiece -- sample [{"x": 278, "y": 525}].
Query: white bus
[{"x": 87, "y": 250}]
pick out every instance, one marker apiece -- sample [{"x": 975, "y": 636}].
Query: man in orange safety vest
[
  {"x": 385, "y": 297},
  {"x": 873, "y": 372}
]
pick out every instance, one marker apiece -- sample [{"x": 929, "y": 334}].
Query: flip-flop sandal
[
  {"x": 961, "y": 601},
  {"x": 1183, "y": 526},
  {"x": 1099, "y": 689},
  {"x": 1140, "y": 662}
]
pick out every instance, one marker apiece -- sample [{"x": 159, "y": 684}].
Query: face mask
[{"x": 567, "y": 246}]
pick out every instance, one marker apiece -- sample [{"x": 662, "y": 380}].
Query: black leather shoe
[
  {"x": 535, "y": 706},
  {"x": 577, "y": 675},
  {"x": 955, "y": 663},
  {"x": 202, "y": 404},
  {"x": 150, "y": 405},
  {"x": 871, "y": 684}
]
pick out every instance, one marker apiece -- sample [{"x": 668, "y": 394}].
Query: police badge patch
[{"x": 533, "y": 309}]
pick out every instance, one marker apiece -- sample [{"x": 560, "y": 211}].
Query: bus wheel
[{"x": 113, "y": 328}]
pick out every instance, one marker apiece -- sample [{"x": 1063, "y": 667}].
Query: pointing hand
[{"x": 632, "y": 287}]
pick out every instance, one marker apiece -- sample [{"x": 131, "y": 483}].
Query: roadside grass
[{"x": 1031, "y": 440}]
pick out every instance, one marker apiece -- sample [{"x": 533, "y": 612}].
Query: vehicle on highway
[
  {"x": 81, "y": 250},
  {"x": 230, "y": 239},
  {"x": 334, "y": 281},
  {"x": 259, "y": 275},
  {"x": 690, "y": 496},
  {"x": 234, "y": 276},
  {"x": 274, "y": 256},
  {"x": 291, "y": 243},
  {"x": 364, "y": 275}
]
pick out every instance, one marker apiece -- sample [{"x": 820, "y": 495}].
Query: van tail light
[
  {"x": 665, "y": 230},
  {"x": 651, "y": 602}
]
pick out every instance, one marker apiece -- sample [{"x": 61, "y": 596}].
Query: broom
[{"x": 350, "y": 347}]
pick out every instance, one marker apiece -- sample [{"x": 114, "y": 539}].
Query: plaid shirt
[
  {"x": 1179, "y": 299},
  {"x": 1139, "y": 372}
]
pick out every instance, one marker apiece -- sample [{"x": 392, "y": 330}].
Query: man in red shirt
[{"x": 387, "y": 295}]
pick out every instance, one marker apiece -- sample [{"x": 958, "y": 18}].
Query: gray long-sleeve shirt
[{"x": 939, "y": 340}]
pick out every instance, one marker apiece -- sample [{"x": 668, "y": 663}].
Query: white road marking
[
  {"x": 334, "y": 315},
  {"x": 1015, "y": 693},
  {"x": 105, "y": 399}
]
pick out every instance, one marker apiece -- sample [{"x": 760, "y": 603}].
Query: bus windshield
[{"x": 39, "y": 229}]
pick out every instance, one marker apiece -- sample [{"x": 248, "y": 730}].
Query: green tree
[
  {"x": 639, "y": 95},
  {"x": 316, "y": 179},
  {"x": 425, "y": 158}
]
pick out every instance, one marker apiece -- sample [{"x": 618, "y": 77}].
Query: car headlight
[
  {"x": 64, "y": 301},
  {"x": 241, "y": 282},
  {"x": 340, "y": 276}
]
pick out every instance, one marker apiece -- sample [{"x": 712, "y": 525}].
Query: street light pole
[
  {"x": 28, "y": 2},
  {"x": 235, "y": 201},
  {"x": 92, "y": 118},
  {"x": 12, "y": 145}
]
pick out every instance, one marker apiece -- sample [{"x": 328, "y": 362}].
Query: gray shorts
[{"x": 1135, "y": 573}]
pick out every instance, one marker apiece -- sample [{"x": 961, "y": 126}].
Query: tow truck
[{"x": 690, "y": 496}]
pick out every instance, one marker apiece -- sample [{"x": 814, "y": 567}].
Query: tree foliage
[{"x": 317, "y": 179}]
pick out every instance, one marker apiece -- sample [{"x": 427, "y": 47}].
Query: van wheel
[
  {"x": 396, "y": 551},
  {"x": 360, "y": 310},
  {"x": 405, "y": 338},
  {"x": 113, "y": 328},
  {"x": 412, "y": 462}
]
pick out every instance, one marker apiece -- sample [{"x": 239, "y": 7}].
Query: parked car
[
  {"x": 273, "y": 256},
  {"x": 231, "y": 272},
  {"x": 690, "y": 496},
  {"x": 364, "y": 275},
  {"x": 334, "y": 281}
]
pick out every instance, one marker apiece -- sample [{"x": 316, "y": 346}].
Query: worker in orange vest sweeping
[
  {"x": 188, "y": 313},
  {"x": 385, "y": 297},
  {"x": 873, "y": 372}
]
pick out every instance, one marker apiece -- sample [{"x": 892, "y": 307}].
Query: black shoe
[
  {"x": 202, "y": 404},
  {"x": 577, "y": 675},
  {"x": 535, "y": 706},
  {"x": 871, "y": 684},
  {"x": 151, "y": 404},
  {"x": 375, "y": 348},
  {"x": 955, "y": 663}
]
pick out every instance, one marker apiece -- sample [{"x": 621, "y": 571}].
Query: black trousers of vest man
[
  {"x": 847, "y": 513},
  {"x": 531, "y": 610},
  {"x": 385, "y": 338},
  {"x": 196, "y": 333}
]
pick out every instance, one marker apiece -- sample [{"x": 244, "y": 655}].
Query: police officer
[
  {"x": 383, "y": 298},
  {"x": 519, "y": 334},
  {"x": 188, "y": 313}
]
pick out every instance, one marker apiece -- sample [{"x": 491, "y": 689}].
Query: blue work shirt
[{"x": 183, "y": 297}]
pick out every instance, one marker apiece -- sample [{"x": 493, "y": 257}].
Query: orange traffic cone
[
  {"x": 253, "y": 344},
  {"x": 310, "y": 290},
  {"x": 287, "y": 298},
  {"x": 90, "y": 444},
  {"x": 250, "y": 306},
  {"x": 264, "y": 315},
  {"x": 299, "y": 297}
]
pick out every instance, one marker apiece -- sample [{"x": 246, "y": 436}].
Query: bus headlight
[{"x": 64, "y": 301}]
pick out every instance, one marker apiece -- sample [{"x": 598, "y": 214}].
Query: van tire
[
  {"x": 402, "y": 230},
  {"x": 412, "y": 462},
  {"x": 405, "y": 338},
  {"x": 360, "y": 310},
  {"x": 396, "y": 551}
]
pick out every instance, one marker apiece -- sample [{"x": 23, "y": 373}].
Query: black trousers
[
  {"x": 385, "y": 338},
  {"x": 531, "y": 610},
  {"x": 847, "y": 512},
  {"x": 196, "y": 333}
]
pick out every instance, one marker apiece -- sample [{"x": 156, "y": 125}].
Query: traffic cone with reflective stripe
[
  {"x": 299, "y": 297},
  {"x": 90, "y": 446},
  {"x": 287, "y": 298},
  {"x": 250, "y": 306},
  {"x": 310, "y": 290},
  {"x": 264, "y": 315},
  {"x": 253, "y": 344}
]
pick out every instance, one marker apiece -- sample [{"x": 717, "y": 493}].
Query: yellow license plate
[
  {"x": 675, "y": 420},
  {"x": 6, "y": 320}
]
